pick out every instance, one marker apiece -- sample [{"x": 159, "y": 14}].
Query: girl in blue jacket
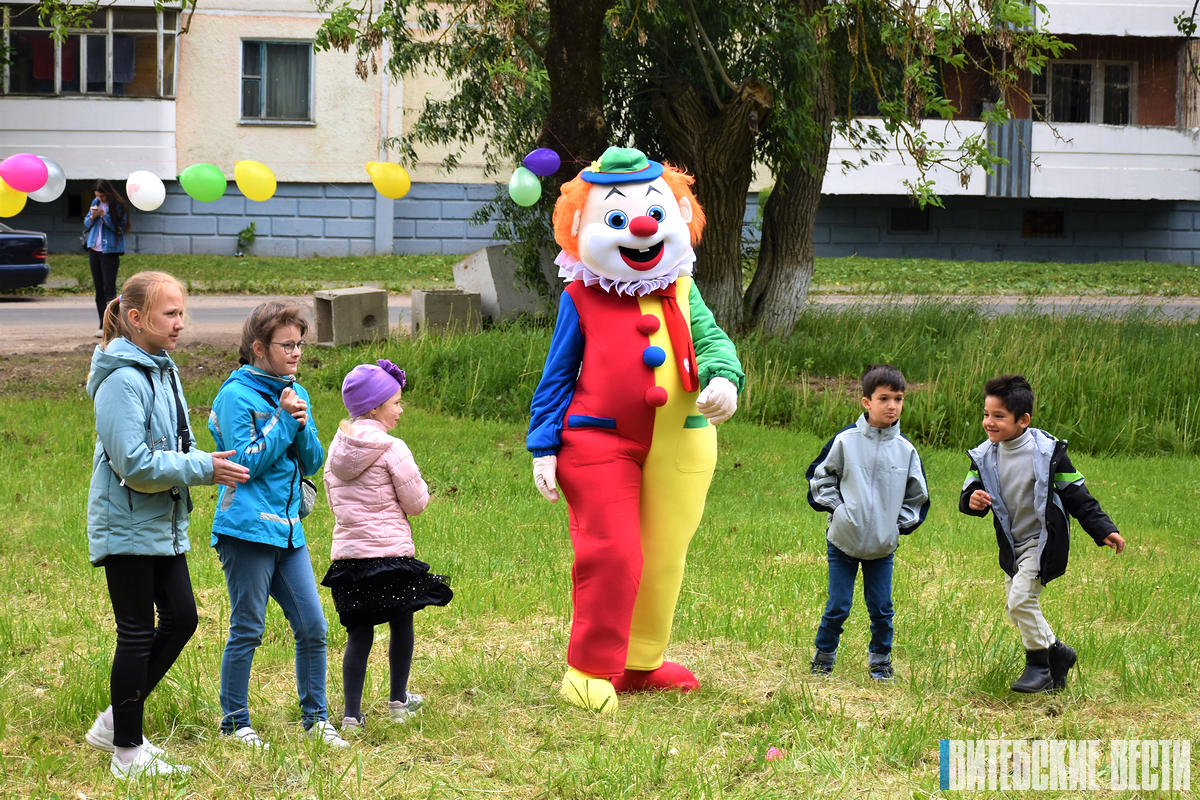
[
  {"x": 261, "y": 413},
  {"x": 138, "y": 507},
  {"x": 104, "y": 227}
]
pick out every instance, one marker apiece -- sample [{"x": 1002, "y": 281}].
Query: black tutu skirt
[{"x": 371, "y": 591}]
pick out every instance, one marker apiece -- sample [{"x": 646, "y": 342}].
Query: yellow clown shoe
[{"x": 594, "y": 694}]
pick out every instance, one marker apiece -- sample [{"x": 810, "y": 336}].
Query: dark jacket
[{"x": 1058, "y": 491}]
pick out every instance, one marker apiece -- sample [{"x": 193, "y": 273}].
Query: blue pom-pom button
[{"x": 654, "y": 356}]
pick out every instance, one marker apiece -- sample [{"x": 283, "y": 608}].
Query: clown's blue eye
[
  {"x": 656, "y": 213},
  {"x": 616, "y": 219}
]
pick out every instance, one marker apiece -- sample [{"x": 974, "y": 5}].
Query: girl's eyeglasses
[{"x": 289, "y": 347}]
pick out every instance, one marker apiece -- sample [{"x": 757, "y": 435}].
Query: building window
[
  {"x": 908, "y": 219},
  {"x": 276, "y": 81},
  {"x": 127, "y": 52},
  {"x": 1085, "y": 91},
  {"x": 1043, "y": 223}
]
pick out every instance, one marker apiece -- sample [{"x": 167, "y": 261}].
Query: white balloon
[
  {"x": 145, "y": 190},
  {"x": 56, "y": 181}
]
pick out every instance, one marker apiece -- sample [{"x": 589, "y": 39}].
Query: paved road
[{"x": 32, "y": 324}]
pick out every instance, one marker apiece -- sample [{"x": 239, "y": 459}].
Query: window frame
[
  {"x": 159, "y": 31},
  {"x": 1043, "y": 102},
  {"x": 310, "y": 121}
]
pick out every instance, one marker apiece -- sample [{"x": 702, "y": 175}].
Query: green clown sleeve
[{"x": 715, "y": 354}]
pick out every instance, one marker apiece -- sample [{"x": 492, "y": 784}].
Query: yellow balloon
[
  {"x": 255, "y": 180},
  {"x": 11, "y": 200},
  {"x": 391, "y": 180}
]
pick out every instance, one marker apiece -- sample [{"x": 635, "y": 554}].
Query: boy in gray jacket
[
  {"x": 869, "y": 479},
  {"x": 1025, "y": 478}
]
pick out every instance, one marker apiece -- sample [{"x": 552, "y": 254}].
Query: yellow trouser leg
[{"x": 676, "y": 477}]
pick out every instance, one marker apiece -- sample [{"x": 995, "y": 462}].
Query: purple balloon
[
  {"x": 24, "y": 172},
  {"x": 542, "y": 162}
]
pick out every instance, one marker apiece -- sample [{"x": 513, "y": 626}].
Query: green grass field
[
  {"x": 489, "y": 664},
  {"x": 850, "y": 275}
]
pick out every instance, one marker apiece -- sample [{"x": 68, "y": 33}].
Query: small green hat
[{"x": 622, "y": 165}]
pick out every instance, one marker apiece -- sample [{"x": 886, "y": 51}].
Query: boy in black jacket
[{"x": 1024, "y": 476}]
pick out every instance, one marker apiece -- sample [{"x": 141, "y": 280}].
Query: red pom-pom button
[
  {"x": 648, "y": 324},
  {"x": 656, "y": 397}
]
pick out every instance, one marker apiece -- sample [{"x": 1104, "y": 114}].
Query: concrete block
[
  {"x": 426, "y": 190},
  {"x": 350, "y": 228},
  {"x": 409, "y": 247},
  {"x": 323, "y": 248},
  {"x": 445, "y": 311},
  {"x": 213, "y": 245},
  {"x": 482, "y": 191},
  {"x": 282, "y": 247},
  {"x": 454, "y": 209},
  {"x": 275, "y": 207},
  {"x": 324, "y": 208},
  {"x": 300, "y": 190},
  {"x": 418, "y": 209},
  {"x": 492, "y": 274},
  {"x": 354, "y": 314},
  {"x": 165, "y": 245},
  {"x": 485, "y": 231},
  {"x": 434, "y": 229}
]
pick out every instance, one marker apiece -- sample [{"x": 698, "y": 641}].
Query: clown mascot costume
[{"x": 622, "y": 419}]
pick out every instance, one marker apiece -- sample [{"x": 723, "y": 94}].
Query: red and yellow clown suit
[{"x": 617, "y": 405}]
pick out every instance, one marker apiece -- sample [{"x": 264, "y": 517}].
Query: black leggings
[
  {"x": 137, "y": 585},
  {"x": 104, "y": 278},
  {"x": 354, "y": 662}
]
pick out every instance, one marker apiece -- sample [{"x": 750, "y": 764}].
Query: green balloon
[
  {"x": 524, "y": 187},
  {"x": 203, "y": 182}
]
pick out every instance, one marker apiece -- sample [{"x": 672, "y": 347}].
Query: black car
[{"x": 22, "y": 258}]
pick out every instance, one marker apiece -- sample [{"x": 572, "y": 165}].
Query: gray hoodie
[{"x": 871, "y": 483}]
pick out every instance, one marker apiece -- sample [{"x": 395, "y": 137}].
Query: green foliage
[{"x": 246, "y": 237}]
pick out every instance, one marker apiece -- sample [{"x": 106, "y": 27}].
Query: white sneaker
[
  {"x": 99, "y": 334},
  {"x": 353, "y": 727},
  {"x": 401, "y": 711},
  {"x": 325, "y": 733},
  {"x": 249, "y": 737},
  {"x": 100, "y": 736},
  {"x": 144, "y": 765}
]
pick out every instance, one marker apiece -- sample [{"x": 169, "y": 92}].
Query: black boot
[
  {"x": 1036, "y": 677},
  {"x": 1062, "y": 658}
]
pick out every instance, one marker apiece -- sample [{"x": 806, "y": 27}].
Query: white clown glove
[
  {"x": 544, "y": 468},
  {"x": 718, "y": 401}
]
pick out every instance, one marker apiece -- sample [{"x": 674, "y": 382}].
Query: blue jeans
[
  {"x": 254, "y": 571},
  {"x": 877, "y": 592}
]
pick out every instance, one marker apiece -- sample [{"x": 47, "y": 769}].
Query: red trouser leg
[{"x": 600, "y": 474}]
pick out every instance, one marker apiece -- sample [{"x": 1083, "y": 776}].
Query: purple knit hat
[{"x": 368, "y": 386}]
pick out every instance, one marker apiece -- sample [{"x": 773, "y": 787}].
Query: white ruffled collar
[{"x": 571, "y": 268}]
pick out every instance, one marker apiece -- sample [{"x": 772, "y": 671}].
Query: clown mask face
[{"x": 632, "y": 231}]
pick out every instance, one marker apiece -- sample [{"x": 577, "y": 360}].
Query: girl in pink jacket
[{"x": 374, "y": 486}]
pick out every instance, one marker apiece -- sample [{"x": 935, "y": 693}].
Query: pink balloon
[{"x": 24, "y": 172}]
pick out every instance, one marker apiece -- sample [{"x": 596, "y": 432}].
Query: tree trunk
[
  {"x": 717, "y": 146},
  {"x": 575, "y": 126},
  {"x": 785, "y": 257}
]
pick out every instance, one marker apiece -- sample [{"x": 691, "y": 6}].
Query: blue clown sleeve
[{"x": 557, "y": 385}]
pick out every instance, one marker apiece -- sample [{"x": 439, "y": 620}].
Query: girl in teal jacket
[{"x": 138, "y": 507}]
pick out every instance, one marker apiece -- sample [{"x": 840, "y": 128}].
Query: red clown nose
[{"x": 643, "y": 226}]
